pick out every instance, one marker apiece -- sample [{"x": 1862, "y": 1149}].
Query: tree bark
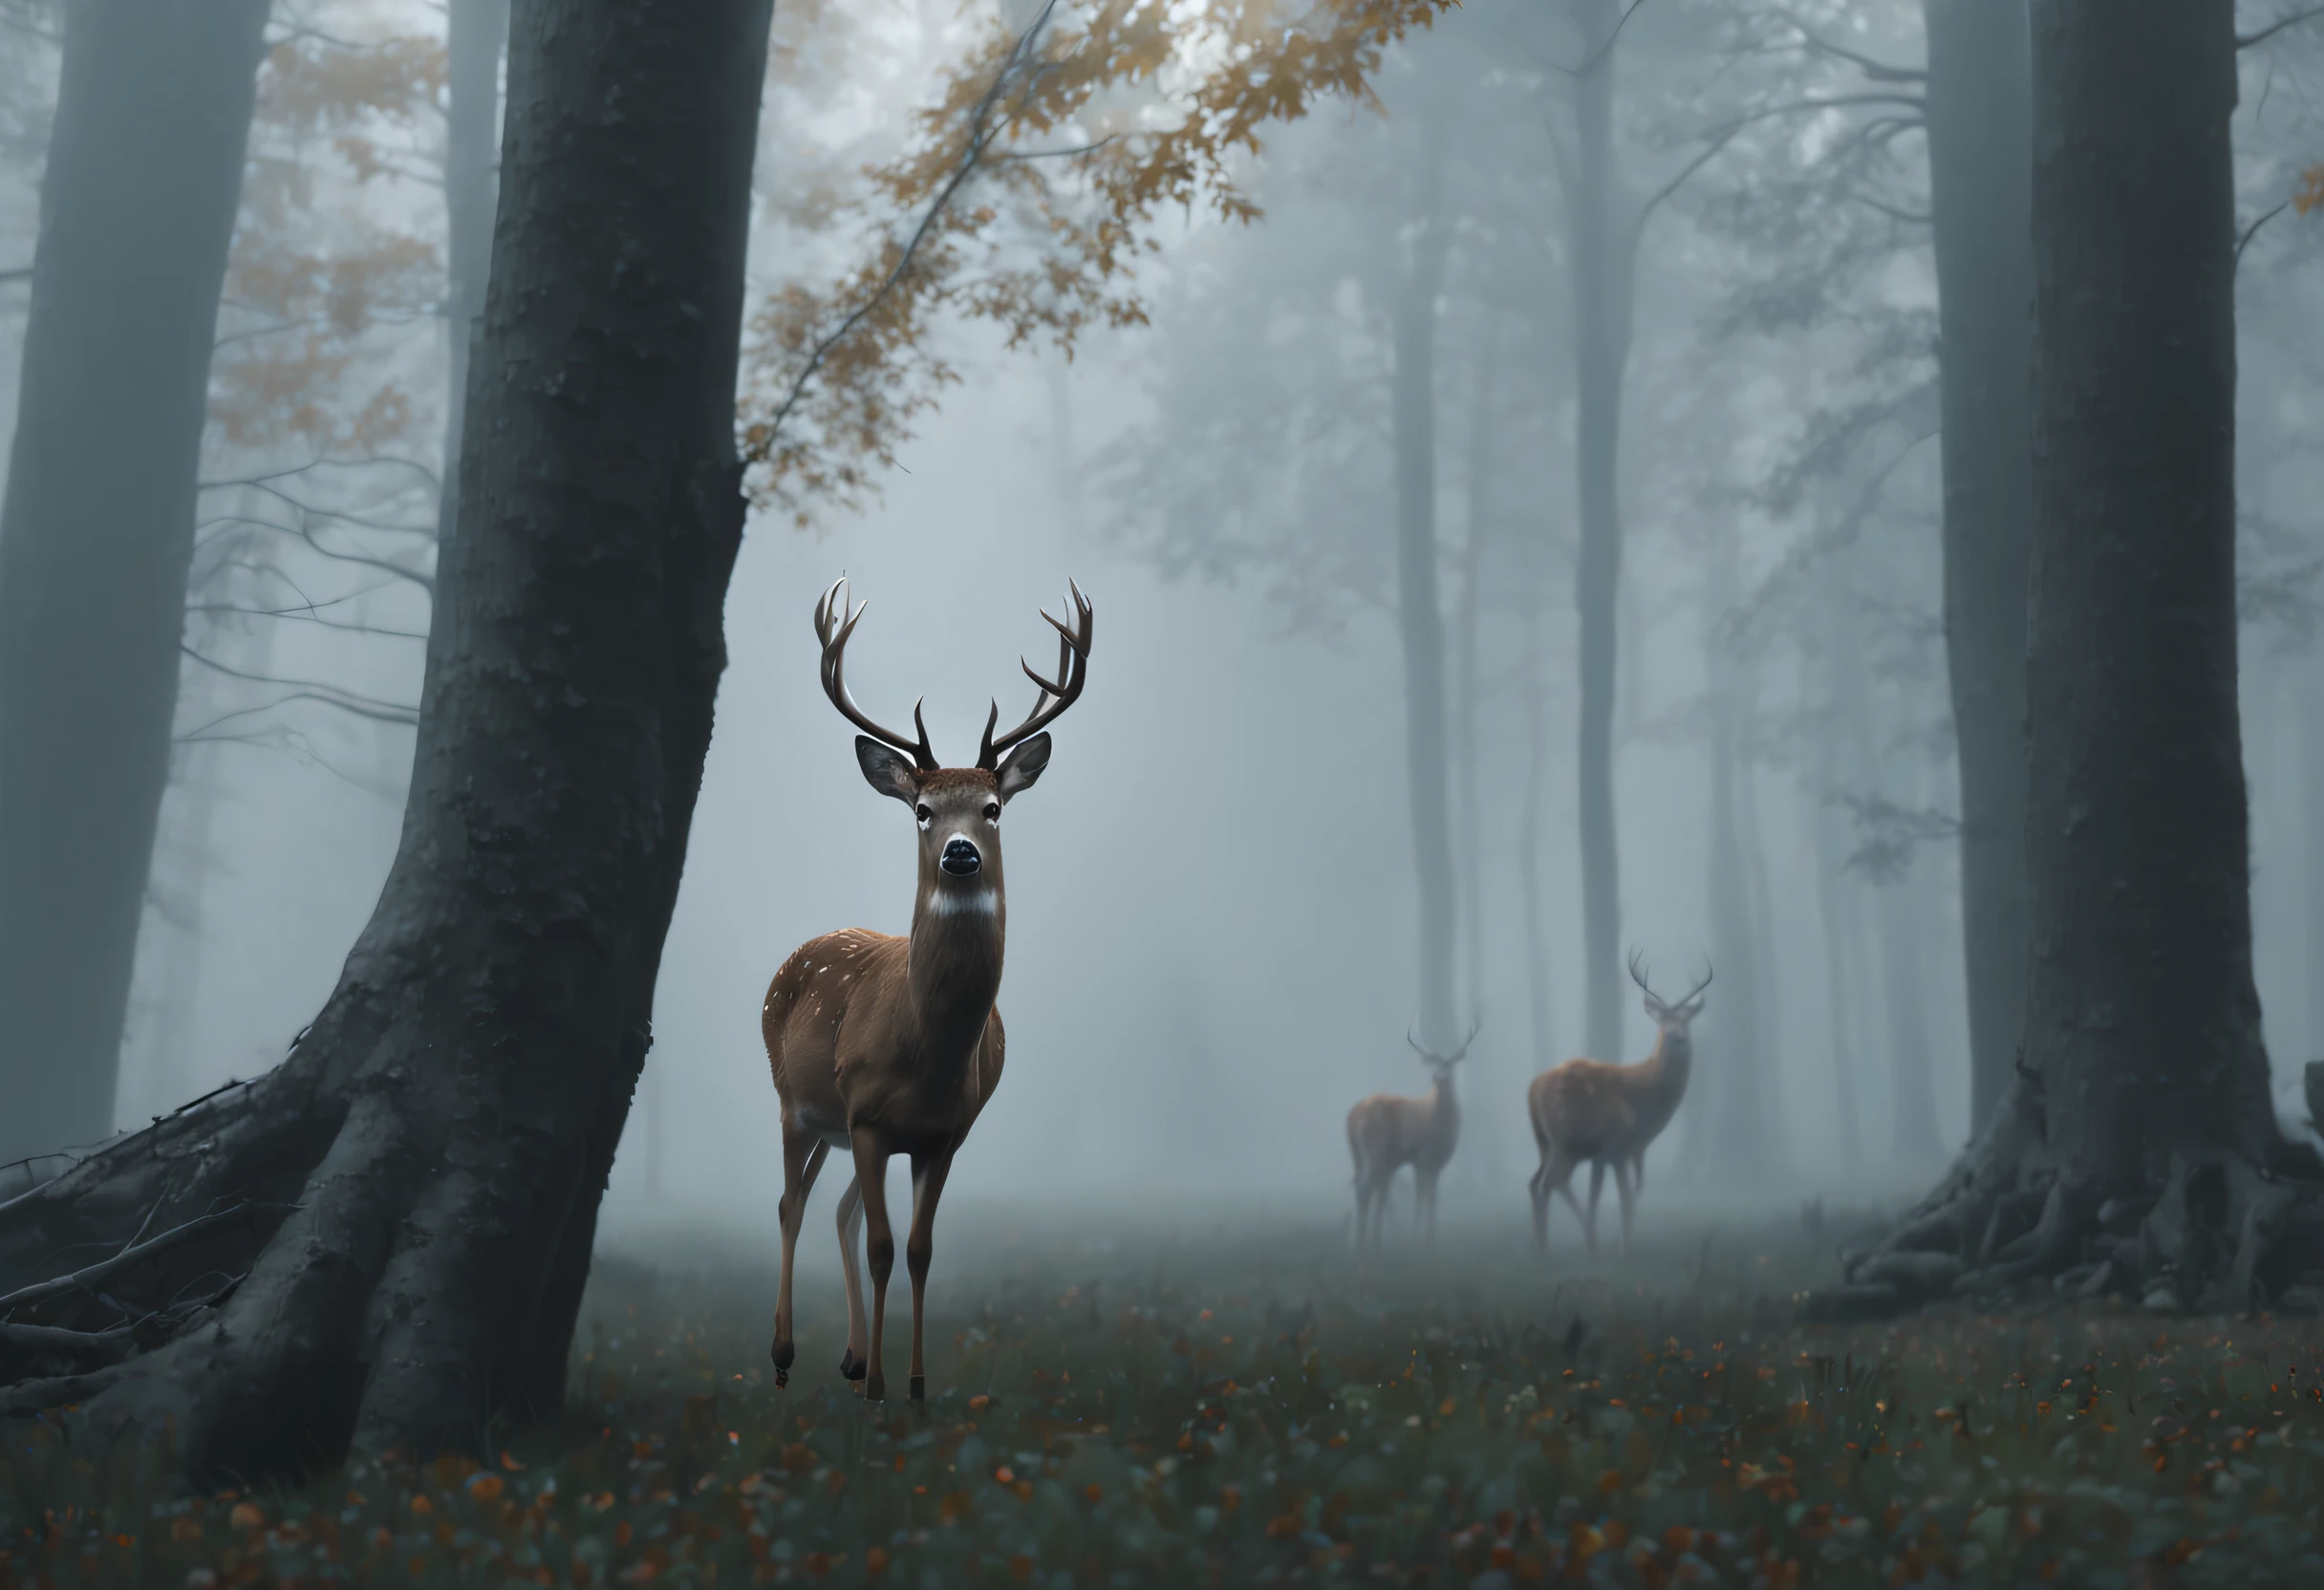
[
  {"x": 475, "y": 33},
  {"x": 2140, "y": 1013},
  {"x": 1412, "y": 404},
  {"x": 2139, "y": 1147},
  {"x": 2312, "y": 771},
  {"x": 1980, "y": 163},
  {"x": 1598, "y": 228},
  {"x": 138, "y": 202},
  {"x": 446, "y": 1126}
]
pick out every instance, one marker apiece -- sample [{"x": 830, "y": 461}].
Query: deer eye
[
  {"x": 992, "y": 811},
  {"x": 923, "y": 814}
]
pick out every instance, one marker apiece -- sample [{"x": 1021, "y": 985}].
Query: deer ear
[
  {"x": 886, "y": 769},
  {"x": 1023, "y": 767}
]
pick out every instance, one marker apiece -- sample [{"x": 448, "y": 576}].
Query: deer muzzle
[{"x": 960, "y": 858}]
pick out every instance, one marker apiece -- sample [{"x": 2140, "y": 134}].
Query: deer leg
[
  {"x": 1561, "y": 1177},
  {"x": 871, "y": 1154},
  {"x": 927, "y": 1186},
  {"x": 1538, "y": 1188},
  {"x": 1424, "y": 1195},
  {"x": 851, "y": 1259},
  {"x": 1625, "y": 1172},
  {"x": 1597, "y": 1189},
  {"x": 802, "y": 1158}
]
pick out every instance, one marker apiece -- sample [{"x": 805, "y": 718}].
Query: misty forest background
[{"x": 1219, "y": 934}]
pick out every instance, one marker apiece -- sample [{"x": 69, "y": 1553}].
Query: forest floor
[{"x": 1177, "y": 1410}]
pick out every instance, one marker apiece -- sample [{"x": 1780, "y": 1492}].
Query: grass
[{"x": 1249, "y": 1410}]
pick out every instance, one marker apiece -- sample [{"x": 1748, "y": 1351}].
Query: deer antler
[
  {"x": 1638, "y": 975},
  {"x": 1475, "y": 1026},
  {"x": 1057, "y": 695},
  {"x": 833, "y": 625}
]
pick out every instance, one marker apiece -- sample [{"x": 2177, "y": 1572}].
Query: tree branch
[
  {"x": 364, "y": 706},
  {"x": 2245, "y": 41},
  {"x": 130, "y": 1258},
  {"x": 1878, "y": 71},
  {"x": 983, "y": 130},
  {"x": 2252, "y": 231}
]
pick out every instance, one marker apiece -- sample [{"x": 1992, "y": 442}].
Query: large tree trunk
[
  {"x": 1980, "y": 164},
  {"x": 1412, "y": 404},
  {"x": 2132, "y": 1148},
  {"x": 2140, "y": 1012},
  {"x": 137, "y": 210},
  {"x": 446, "y": 1125},
  {"x": 1598, "y": 228},
  {"x": 475, "y": 33}
]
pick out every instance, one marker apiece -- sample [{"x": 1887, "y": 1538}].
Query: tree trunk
[
  {"x": 144, "y": 174},
  {"x": 1597, "y": 226},
  {"x": 2142, "y": 1013},
  {"x": 446, "y": 1125},
  {"x": 475, "y": 33},
  {"x": 2311, "y": 770},
  {"x": 1735, "y": 1067},
  {"x": 1420, "y": 620},
  {"x": 1904, "y": 973},
  {"x": 1485, "y": 1162},
  {"x": 1980, "y": 164},
  {"x": 2140, "y": 1147},
  {"x": 1529, "y": 856},
  {"x": 1837, "y": 760}
]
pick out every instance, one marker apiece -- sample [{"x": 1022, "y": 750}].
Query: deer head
[
  {"x": 957, "y": 809},
  {"x": 1670, "y": 1017},
  {"x": 1440, "y": 1067}
]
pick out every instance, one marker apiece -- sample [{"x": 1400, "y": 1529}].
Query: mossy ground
[{"x": 1261, "y": 1410}]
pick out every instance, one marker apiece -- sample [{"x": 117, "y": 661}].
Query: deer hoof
[
  {"x": 875, "y": 1388},
  {"x": 851, "y": 1366},
  {"x": 919, "y": 1388},
  {"x": 781, "y": 1355}
]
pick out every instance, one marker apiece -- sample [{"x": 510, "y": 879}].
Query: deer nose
[{"x": 960, "y": 858}]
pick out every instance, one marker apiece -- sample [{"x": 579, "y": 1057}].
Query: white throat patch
[{"x": 963, "y": 902}]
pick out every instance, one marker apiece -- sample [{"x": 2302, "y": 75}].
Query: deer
[
  {"x": 1389, "y": 1130},
  {"x": 1606, "y": 1113},
  {"x": 883, "y": 1045}
]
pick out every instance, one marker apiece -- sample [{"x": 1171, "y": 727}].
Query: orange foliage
[
  {"x": 2308, "y": 196},
  {"x": 1031, "y": 193},
  {"x": 307, "y": 287}
]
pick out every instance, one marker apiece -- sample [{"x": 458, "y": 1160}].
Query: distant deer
[
  {"x": 884, "y": 1046},
  {"x": 1606, "y": 1114},
  {"x": 1388, "y": 1131}
]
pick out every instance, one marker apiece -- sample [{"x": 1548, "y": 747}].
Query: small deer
[
  {"x": 883, "y": 1045},
  {"x": 1388, "y": 1131},
  {"x": 1606, "y": 1114}
]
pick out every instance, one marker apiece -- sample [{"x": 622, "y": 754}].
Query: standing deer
[
  {"x": 883, "y": 1045},
  {"x": 1606, "y": 1114},
  {"x": 1388, "y": 1131}
]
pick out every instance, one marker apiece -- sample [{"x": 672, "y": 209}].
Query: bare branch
[
  {"x": 1589, "y": 62},
  {"x": 364, "y": 706},
  {"x": 2252, "y": 231},
  {"x": 2245, "y": 41},
  {"x": 302, "y": 615},
  {"x": 1819, "y": 102},
  {"x": 384, "y": 712},
  {"x": 129, "y": 1258},
  {"x": 1878, "y": 71}
]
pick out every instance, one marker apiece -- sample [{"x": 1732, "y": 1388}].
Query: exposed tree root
[{"x": 2226, "y": 1232}]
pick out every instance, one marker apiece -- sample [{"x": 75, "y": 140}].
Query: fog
[{"x": 1215, "y": 913}]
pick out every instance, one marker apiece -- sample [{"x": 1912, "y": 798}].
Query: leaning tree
[
  {"x": 2137, "y": 1150},
  {"x": 408, "y": 1202}
]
